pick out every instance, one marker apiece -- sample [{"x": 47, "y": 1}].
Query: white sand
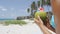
[{"x": 30, "y": 28}]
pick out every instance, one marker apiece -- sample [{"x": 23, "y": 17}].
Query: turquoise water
[
  {"x": 52, "y": 22},
  {"x": 5, "y": 19}
]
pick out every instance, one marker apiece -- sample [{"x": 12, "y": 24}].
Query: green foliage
[
  {"x": 20, "y": 22},
  {"x": 28, "y": 10},
  {"x": 46, "y": 2},
  {"x": 33, "y": 5},
  {"x": 43, "y": 2},
  {"x": 38, "y": 3}
]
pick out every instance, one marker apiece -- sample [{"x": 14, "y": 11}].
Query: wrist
[{"x": 40, "y": 25}]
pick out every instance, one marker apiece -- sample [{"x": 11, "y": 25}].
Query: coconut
[{"x": 43, "y": 15}]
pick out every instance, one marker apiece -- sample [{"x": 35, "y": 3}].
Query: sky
[{"x": 14, "y": 8}]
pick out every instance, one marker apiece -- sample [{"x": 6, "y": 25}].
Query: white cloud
[{"x": 3, "y": 9}]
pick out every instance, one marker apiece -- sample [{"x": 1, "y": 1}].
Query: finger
[
  {"x": 36, "y": 21},
  {"x": 40, "y": 19}
]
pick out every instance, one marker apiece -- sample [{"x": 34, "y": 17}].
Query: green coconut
[{"x": 42, "y": 15}]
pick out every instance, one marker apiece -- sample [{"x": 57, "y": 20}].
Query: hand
[{"x": 38, "y": 21}]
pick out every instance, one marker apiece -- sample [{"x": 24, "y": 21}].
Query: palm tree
[
  {"x": 28, "y": 10},
  {"x": 38, "y": 3},
  {"x": 43, "y": 2},
  {"x": 48, "y": 2},
  {"x": 33, "y": 7}
]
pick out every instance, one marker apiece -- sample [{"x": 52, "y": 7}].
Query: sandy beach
[{"x": 30, "y": 28}]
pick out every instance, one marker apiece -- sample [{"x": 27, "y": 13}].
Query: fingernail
[{"x": 38, "y": 16}]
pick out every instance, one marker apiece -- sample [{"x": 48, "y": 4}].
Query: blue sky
[{"x": 14, "y": 8}]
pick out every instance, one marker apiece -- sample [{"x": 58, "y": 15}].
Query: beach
[{"x": 30, "y": 28}]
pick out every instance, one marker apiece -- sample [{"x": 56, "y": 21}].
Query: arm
[
  {"x": 40, "y": 24},
  {"x": 44, "y": 29}
]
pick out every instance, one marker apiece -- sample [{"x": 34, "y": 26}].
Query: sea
[{"x": 5, "y": 19}]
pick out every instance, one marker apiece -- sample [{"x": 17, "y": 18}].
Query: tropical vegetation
[
  {"x": 20, "y": 22},
  {"x": 34, "y": 6}
]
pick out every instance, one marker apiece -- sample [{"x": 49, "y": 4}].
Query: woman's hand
[{"x": 38, "y": 21}]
